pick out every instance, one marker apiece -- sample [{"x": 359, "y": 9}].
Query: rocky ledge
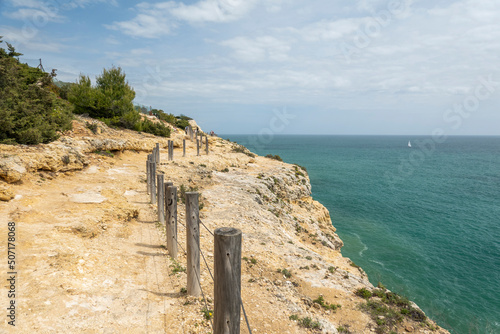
[{"x": 294, "y": 277}]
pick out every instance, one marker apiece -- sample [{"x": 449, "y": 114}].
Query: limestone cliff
[{"x": 91, "y": 242}]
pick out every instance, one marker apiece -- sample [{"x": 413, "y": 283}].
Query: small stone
[
  {"x": 5, "y": 193},
  {"x": 409, "y": 329},
  {"x": 307, "y": 301}
]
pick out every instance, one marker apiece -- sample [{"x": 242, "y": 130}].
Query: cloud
[
  {"x": 213, "y": 10},
  {"x": 150, "y": 24},
  {"x": 19, "y": 37},
  {"x": 329, "y": 30},
  {"x": 258, "y": 49},
  {"x": 156, "y": 20},
  {"x": 38, "y": 16}
]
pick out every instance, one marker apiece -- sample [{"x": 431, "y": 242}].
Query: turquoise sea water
[{"x": 424, "y": 221}]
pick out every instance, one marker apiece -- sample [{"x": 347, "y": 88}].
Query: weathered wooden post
[
  {"x": 150, "y": 185},
  {"x": 206, "y": 144},
  {"x": 191, "y": 134},
  {"x": 171, "y": 151},
  {"x": 193, "y": 244},
  {"x": 184, "y": 147},
  {"x": 148, "y": 175},
  {"x": 158, "y": 152},
  {"x": 153, "y": 182},
  {"x": 160, "y": 203},
  {"x": 197, "y": 146},
  {"x": 227, "y": 280},
  {"x": 171, "y": 204}
]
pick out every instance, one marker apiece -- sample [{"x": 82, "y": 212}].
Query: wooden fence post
[
  {"x": 171, "y": 150},
  {"x": 158, "y": 152},
  {"x": 184, "y": 147},
  {"x": 160, "y": 203},
  {"x": 148, "y": 174},
  {"x": 206, "y": 145},
  {"x": 197, "y": 146},
  {"x": 193, "y": 244},
  {"x": 171, "y": 204},
  {"x": 227, "y": 280},
  {"x": 150, "y": 185},
  {"x": 153, "y": 182}
]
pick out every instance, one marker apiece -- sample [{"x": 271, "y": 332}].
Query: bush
[
  {"x": 111, "y": 97},
  {"x": 30, "y": 112},
  {"x": 275, "y": 157},
  {"x": 364, "y": 293}
]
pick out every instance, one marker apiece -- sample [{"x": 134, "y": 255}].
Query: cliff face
[{"x": 92, "y": 237}]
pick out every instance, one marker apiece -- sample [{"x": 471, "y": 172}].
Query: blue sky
[{"x": 282, "y": 66}]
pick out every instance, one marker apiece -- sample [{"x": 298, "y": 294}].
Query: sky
[{"x": 269, "y": 67}]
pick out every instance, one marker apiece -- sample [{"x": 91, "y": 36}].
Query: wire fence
[{"x": 152, "y": 179}]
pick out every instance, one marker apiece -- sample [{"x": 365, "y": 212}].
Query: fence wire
[{"x": 211, "y": 275}]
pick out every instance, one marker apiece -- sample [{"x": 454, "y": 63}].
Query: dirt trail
[{"x": 86, "y": 266}]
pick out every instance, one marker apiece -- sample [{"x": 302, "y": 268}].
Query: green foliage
[
  {"x": 111, "y": 97},
  {"x": 182, "y": 194},
  {"x": 156, "y": 128},
  {"x": 344, "y": 329},
  {"x": 169, "y": 118},
  {"x": 207, "y": 313},
  {"x": 363, "y": 293},
  {"x": 285, "y": 272},
  {"x": 30, "y": 112},
  {"x": 389, "y": 308},
  {"x": 321, "y": 301},
  {"x": 177, "y": 268},
  {"x": 309, "y": 323},
  {"x": 305, "y": 322},
  {"x": 106, "y": 153},
  {"x": 275, "y": 157},
  {"x": 92, "y": 127},
  {"x": 242, "y": 149}
]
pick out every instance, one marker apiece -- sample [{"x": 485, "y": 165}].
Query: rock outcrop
[{"x": 99, "y": 252}]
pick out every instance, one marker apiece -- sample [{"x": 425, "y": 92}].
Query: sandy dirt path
[{"x": 89, "y": 258}]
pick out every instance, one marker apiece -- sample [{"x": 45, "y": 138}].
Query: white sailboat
[{"x": 409, "y": 143}]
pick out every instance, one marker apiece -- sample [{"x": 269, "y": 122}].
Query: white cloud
[
  {"x": 213, "y": 10},
  {"x": 148, "y": 25},
  {"x": 37, "y": 16},
  {"x": 329, "y": 30},
  {"x": 155, "y": 20},
  {"x": 258, "y": 49},
  {"x": 19, "y": 38}
]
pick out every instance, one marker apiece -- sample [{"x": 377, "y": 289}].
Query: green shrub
[
  {"x": 364, "y": 293},
  {"x": 321, "y": 302},
  {"x": 285, "y": 272},
  {"x": 309, "y": 323},
  {"x": 275, "y": 157},
  {"x": 111, "y": 97},
  {"x": 30, "y": 112}
]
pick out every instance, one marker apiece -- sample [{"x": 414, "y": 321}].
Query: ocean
[{"x": 423, "y": 220}]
